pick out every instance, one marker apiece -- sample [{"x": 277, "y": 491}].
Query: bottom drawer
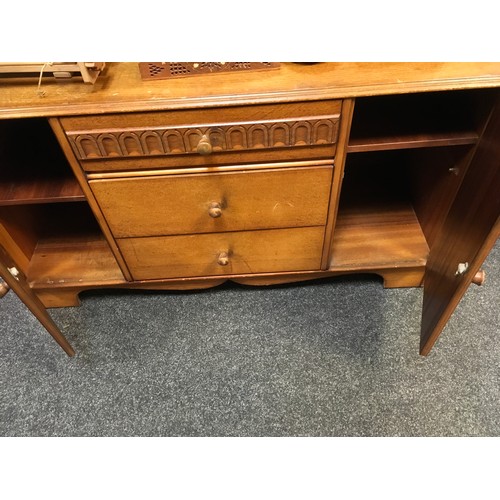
[{"x": 215, "y": 254}]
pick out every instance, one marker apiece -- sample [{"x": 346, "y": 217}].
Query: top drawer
[{"x": 214, "y": 136}]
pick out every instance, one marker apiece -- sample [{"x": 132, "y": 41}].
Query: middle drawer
[{"x": 215, "y": 202}]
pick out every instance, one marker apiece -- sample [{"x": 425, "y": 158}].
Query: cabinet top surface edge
[{"x": 120, "y": 88}]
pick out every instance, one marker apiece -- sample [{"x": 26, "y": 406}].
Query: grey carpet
[{"x": 330, "y": 358}]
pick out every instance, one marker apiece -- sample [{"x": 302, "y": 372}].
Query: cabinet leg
[
  {"x": 402, "y": 278},
  {"x": 59, "y": 298}
]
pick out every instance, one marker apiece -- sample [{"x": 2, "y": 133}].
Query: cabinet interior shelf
[
  {"x": 377, "y": 226},
  {"x": 372, "y": 236},
  {"x": 366, "y": 237},
  {"x": 416, "y": 121},
  {"x": 33, "y": 168},
  {"x": 63, "y": 244},
  {"x": 83, "y": 260},
  {"x": 421, "y": 140},
  {"x": 28, "y": 190}
]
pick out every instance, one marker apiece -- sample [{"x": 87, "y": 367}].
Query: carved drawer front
[
  {"x": 213, "y": 136},
  {"x": 224, "y": 201},
  {"x": 244, "y": 252}
]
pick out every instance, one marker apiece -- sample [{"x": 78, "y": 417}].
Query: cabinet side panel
[{"x": 338, "y": 175}]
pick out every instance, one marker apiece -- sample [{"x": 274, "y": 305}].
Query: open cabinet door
[
  {"x": 468, "y": 234},
  {"x": 17, "y": 282}
]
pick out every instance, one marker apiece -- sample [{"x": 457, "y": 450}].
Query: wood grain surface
[
  {"x": 180, "y": 204},
  {"x": 121, "y": 89},
  {"x": 270, "y": 250}
]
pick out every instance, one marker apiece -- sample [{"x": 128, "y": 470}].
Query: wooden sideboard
[{"x": 264, "y": 177}]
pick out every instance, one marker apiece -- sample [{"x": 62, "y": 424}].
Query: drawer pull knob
[
  {"x": 4, "y": 288},
  {"x": 215, "y": 210},
  {"x": 223, "y": 259},
  {"x": 479, "y": 278},
  {"x": 204, "y": 146}
]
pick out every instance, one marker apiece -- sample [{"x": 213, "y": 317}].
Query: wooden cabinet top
[{"x": 120, "y": 88}]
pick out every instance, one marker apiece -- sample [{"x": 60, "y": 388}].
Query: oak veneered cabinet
[{"x": 311, "y": 174}]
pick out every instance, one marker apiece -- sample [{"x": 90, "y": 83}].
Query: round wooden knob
[
  {"x": 223, "y": 259},
  {"x": 215, "y": 210},
  {"x": 4, "y": 288},
  {"x": 204, "y": 147},
  {"x": 479, "y": 278}
]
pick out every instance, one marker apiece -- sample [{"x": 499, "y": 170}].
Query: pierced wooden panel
[{"x": 164, "y": 70}]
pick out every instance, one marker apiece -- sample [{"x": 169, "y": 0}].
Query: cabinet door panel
[
  {"x": 19, "y": 285},
  {"x": 468, "y": 234}
]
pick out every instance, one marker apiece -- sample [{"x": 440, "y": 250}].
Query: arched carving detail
[
  {"x": 280, "y": 135},
  {"x": 130, "y": 144},
  {"x": 152, "y": 143},
  {"x": 108, "y": 145},
  {"x": 258, "y": 137},
  {"x": 323, "y": 132},
  {"x": 173, "y": 142},
  {"x": 236, "y": 137},
  {"x": 217, "y": 138},
  {"x": 185, "y": 139},
  {"x": 86, "y": 146},
  {"x": 301, "y": 134},
  {"x": 192, "y": 137}
]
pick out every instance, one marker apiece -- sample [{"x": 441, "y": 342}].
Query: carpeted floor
[{"x": 329, "y": 358}]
